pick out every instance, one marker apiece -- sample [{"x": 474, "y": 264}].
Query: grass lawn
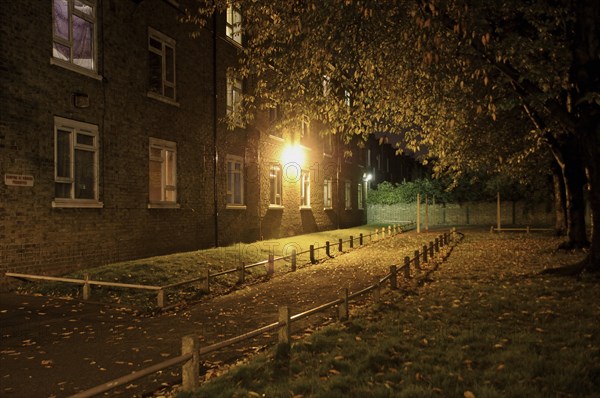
[
  {"x": 173, "y": 268},
  {"x": 485, "y": 324}
]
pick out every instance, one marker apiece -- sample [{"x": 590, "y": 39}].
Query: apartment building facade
[{"x": 113, "y": 146}]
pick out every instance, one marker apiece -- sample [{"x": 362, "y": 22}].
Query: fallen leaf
[{"x": 469, "y": 394}]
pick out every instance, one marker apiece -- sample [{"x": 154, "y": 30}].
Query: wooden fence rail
[
  {"x": 86, "y": 283},
  {"x": 191, "y": 350}
]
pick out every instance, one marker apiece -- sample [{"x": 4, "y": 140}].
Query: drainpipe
[{"x": 215, "y": 120}]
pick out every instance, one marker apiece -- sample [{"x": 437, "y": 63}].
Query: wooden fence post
[
  {"x": 293, "y": 260},
  {"x": 242, "y": 273},
  {"x": 86, "y": 287},
  {"x": 376, "y": 233},
  {"x": 327, "y": 250},
  {"x": 431, "y": 250},
  {"x": 271, "y": 264},
  {"x": 351, "y": 242},
  {"x": 160, "y": 298},
  {"x": 424, "y": 254},
  {"x": 417, "y": 262},
  {"x": 206, "y": 287},
  {"x": 377, "y": 290},
  {"x": 441, "y": 238},
  {"x": 407, "y": 267},
  {"x": 190, "y": 372},
  {"x": 284, "y": 325},
  {"x": 360, "y": 239},
  {"x": 437, "y": 245},
  {"x": 393, "y": 277},
  {"x": 340, "y": 244},
  {"x": 343, "y": 311},
  {"x": 389, "y": 230},
  {"x": 312, "y": 254}
]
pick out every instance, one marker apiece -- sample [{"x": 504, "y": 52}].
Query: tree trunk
[
  {"x": 574, "y": 179},
  {"x": 560, "y": 210}
]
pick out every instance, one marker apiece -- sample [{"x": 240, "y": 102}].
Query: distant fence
[
  {"x": 313, "y": 254},
  {"x": 190, "y": 347},
  {"x": 470, "y": 213}
]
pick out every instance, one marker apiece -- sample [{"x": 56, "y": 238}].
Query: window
[
  {"x": 347, "y": 98},
  {"x": 235, "y": 181},
  {"x": 360, "y": 203},
  {"x": 74, "y": 34},
  {"x": 162, "y": 173},
  {"x": 75, "y": 164},
  {"x": 327, "y": 193},
  {"x": 304, "y": 127},
  {"x": 161, "y": 66},
  {"x": 233, "y": 24},
  {"x": 275, "y": 185},
  {"x": 234, "y": 97},
  {"x": 305, "y": 189},
  {"x": 347, "y": 196},
  {"x": 326, "y": 85}
]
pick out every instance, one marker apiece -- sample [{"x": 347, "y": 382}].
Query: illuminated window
[
  {"x": 305, "y": 127},
  {"x": 305, "y": 189},
  {"x": 360, "y": 203},
  {"x": 233, "y": 24},
  {"x": 327, "y": 193},
  {"x": 347, "y": 196},
  {"x": 234, "y": 98},
  {"x": 74, "y": 34},
  {"x": 162, "y": 172},
  {"x": 161, "y": 65},
  {"x": 235, "y": 181},
  {"x": 275, "y": 185},
  {"x": 75, "y": 164}
]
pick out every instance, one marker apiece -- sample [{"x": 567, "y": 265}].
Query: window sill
[
  {"x": 234, "y": 42},
  {"x": 327, "y": 208},
  {"x": 162, "y": 98},
  {"x": 305, "y": 208},
  {"x": 327, "y": 155},
  {"x": 275, "y": 207},
  {"x": 74, "y": 68},
  {"x": 75, "y": 204},
  {"x": 164, "y": 205},
  {"x": 348, "y": 209},
  {"x": 235, "y": 207},
  {"x": 276, "y": 138}
]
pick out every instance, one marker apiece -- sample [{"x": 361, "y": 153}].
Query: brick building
[{"x": 112, "y": 145}]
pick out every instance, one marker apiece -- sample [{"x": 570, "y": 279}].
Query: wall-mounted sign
[{"x": 18, "y": 180}]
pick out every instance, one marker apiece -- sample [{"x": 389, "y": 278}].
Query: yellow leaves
[
  {"x": 334, "y": 372},
  {"x": 468, "y": 394},
  {"x": 485, "y": 39}
]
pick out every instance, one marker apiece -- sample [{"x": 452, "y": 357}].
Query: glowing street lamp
[{"x": 292, "y": 154}]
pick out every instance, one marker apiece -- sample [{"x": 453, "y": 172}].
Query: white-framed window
[
  {"x": 305, "y": 188},
  {"x": 347, "y": 98},
  {"x": 161, "y": 66},
  {"x": 162, "y": 182},
  {"x": 360, "y": 204},
  {"x": 348, "y": 195},
  {"x": 234, "y": 98},
  {"x": 76, "y": 150},
  {"x": 74, "y": 35},
  {"x": 275, "y": 185},
  {"x": 235, "y": 181},
  {"x": 233, "y": 24},
  {"x": 304, "y": 127},
  {"x": 328, "y": 193}
]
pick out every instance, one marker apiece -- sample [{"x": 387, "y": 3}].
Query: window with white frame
[
  {"x": 348, "y": 195},
  {"x": 327, "y": 193},
  {"x": 162, "y": 185},
  {"x": 233, "y": 24},
  {"x": 275, "y": 185},
  {"x": 234, "y": 97},
  {"x": 75, "y": 164},
  {"x": 360, "y": 203},
  {"x": 305, "y": 189},
  {"x": 161, "y": 66},
  {"x": 235, "y": 181},
  {"x": 74, "y": 33},
  {"x": 347, "y": 98},
  {"x": 304, "y": 127}
]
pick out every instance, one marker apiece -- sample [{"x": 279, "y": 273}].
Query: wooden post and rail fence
[
  {"x": 206, "y": 277},
  {"x": 192, "y": 351}
]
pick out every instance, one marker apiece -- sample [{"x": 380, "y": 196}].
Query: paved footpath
[{"x": 51, "y": 347}]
